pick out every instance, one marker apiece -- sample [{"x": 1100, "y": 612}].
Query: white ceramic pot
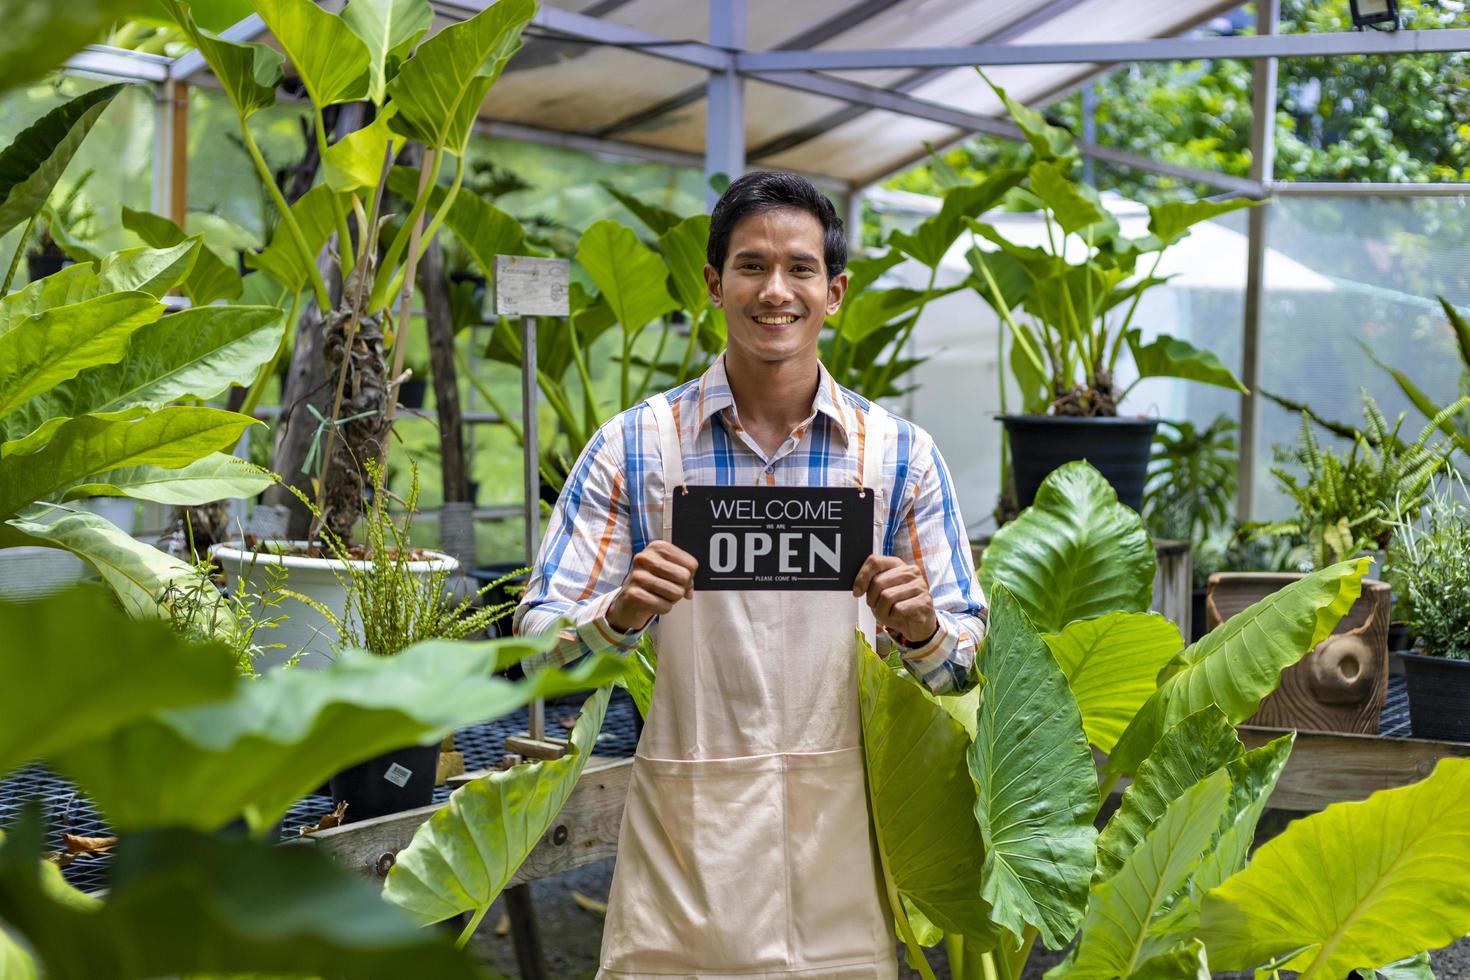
[{"x": 320, "y": 579}]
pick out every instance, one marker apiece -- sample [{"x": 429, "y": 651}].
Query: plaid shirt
[{"x": 612, "y": 507}]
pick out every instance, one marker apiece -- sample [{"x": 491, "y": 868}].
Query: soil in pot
[
  {"x": 1439, "y": 697},
  {"x": 399, "y": 780},
  {"x": 1117, "y": 447}
]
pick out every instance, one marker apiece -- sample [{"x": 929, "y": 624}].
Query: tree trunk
[
  {"x": 364, "y": 403},
  {"x": 441, "y": 360}
]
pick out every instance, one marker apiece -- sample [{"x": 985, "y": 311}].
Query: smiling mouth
[{"x": 777, "y": 320}]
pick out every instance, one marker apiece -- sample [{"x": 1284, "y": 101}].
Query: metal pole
[
  {"x": 1089, "y": 131},
  {"x": 532, "y": 466},
  {"x": 1263, "y": 153},
  {"x": 724, "y": 143}
]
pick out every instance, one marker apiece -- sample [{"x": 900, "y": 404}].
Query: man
[{"x": 745, "y": 848}]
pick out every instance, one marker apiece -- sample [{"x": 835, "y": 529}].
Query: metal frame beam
[
  {"x": 1112, "y": 52},
  {"x": 108, "y": 62},
  {"x": 1263, "y": 164},
  {"x": 724, "y": 122}
]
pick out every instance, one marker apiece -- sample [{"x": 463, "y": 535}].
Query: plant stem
[
  {"x": 1016, "y": 961},
  {"x": 257, "y": 387},
  {"x": 318, "y": 285},
  {"x": 344, "y": 238},
  {"x": 20, "y": 249},
  {"x": 1106, "y": 788},
  {"x": 658, "y": 353},
  {"x": 1005, "y": 314},
  {"x": 591, "y": 411},
  {"x": 694, "y": 326},
  {"x": 886, "y": 374},
  {"x": 1128, "y": 319},
  {"x": 484, "y": 390},
  {"x": 383, "y": 285},
  {"x": 987, "y": 966},
  {"x": 469, "y": 930}
]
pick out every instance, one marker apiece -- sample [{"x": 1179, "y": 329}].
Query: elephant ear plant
[
  {"x": 1069, "y": 307},
  {"x": 1005, "y": 792},
  {"x": 425, "y": 92},
  {"x": 90, "y": 371}
]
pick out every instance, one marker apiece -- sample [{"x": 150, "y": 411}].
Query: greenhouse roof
[{"x": 846, "y": 90}]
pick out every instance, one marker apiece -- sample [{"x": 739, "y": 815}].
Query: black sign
[{"x": 757, "y": 538}]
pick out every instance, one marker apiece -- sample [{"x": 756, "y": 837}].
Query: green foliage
[
  {"x": 32, "y": 164},
  {"x": 1347, "y": 504},
  {"x": 330, "y": 58},
  {"x": 243, "y": 906},
  {"x": 210, "y": 279},
  {"x": 390, "y": 29},
  {"x": 1192, "y": 479},
  {"x": 1075, "y": 553},
  {"x": 462, "y": 858},
  {"x": 196, "y": 613},
  {"x": 1112, "y": 665},
  {"x": 915, "y": 756},
  {"x": 1454, "y": 425},
  {"x": 132, "y": 668},
  {"x": 1301, "y": 905},
  {"x": 1431, "y": 565},
  {"x": 1036, "y": 790},
  {"x": 248, "y": 73},
  {"x": 39, "y": 37}
]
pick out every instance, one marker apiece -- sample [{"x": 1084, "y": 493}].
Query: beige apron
[{"x": 744, "y": 849}]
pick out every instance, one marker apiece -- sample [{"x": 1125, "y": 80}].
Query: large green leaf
[
  {"x": 1170, "y": 221},
  {"x": 35, "y": 160},
  {"x": 683, "y": 246},
  {"x": 1115, "y": 934},
  {"x": 463, "y": 857},
  {"x": 1047, "y": 141},
  {"x": 85, "y": 669},
  {"x": 440, "y": 89},
  {"x": 356, "y": 160},
  {"x": 283, "y": 734},
  {"x": 1167, "y": 357},
  {"x": 920, "y": 799},
  {"x": 315, "y": 213},
  {"x": 929, "y": 242},
  {"x": 632, "y": 278},
  {"x": 1076, "y": 553},
  {"x": 210, "y": 279},
  {"x": 138, "y": 574},
  {"x": 1239, "y": 662},
  {"x": 390, "y": 29},
  {"x": 145, "y": 270},
  {"x": 1356, "y": 885},
  {"x": 215, "y": 477},
  {"x": 39, "y": 37},
  {"x": 483, "y": 229},
  {"x": 1072, "y": 209},
  {"x": 57, "y": 344},
  {"x": 658, "y": 220},
  {"x": 1417, "y": 967},
  {"x": 248, "y": 73},
  {"x": 80, "y": 447},
  {"x": 198, "y": 352},
  {"x": 1187, "y": 961},
  {"x": 1036, "y": 789},
  {"x": 331, "y": 60},
  {"x": 1112, "y": 664},
  {"x": 183, "y": 903},
  {"x": 638, "y": 681},
  {"x": 1199, "y": 745}
]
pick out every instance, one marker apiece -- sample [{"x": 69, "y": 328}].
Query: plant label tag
[
  {"x": 810, "y": 539},
  {"x": 531, "y": 287},
  {"x": 398, "y": 775}
]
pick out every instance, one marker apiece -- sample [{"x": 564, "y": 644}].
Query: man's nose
[{"x": 775, "y": 290}]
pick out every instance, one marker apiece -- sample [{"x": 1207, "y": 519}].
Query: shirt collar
[{"x": 715, "y": 396}]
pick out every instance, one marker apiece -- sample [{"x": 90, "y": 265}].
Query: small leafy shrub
[
  {"x": 1433, "y": 569},
  {"x": 197, "y": 613}
]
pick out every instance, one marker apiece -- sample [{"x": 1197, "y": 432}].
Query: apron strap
[
  {"x": 671, "y": 456},
  {"x": 875, "y": 443}
]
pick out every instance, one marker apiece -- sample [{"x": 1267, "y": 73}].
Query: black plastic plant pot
[
  {"x": 1439, "y": 697},
  {"x": 399, "y": 780},
  {"x": 1117, "y": 447},
  {"x": 485, "y": 574},
  {"x": 411, "y": 393},
  {"x": 39, "y": 265},
  {"x": 1197, "y": 613},
  {"x": 1400, "y": 637}
]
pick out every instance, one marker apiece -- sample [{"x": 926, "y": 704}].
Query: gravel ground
[{"x": 571, "y": 935}]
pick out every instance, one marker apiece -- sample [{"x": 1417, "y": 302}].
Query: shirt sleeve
[
  {"x": 583, "y": 559},
  {"x": 931, "y": 534}
]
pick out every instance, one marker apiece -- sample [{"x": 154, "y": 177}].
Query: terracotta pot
[{"x": 1338, "y": 687}]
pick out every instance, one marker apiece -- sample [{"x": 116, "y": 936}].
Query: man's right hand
[{"x": 661, "y": 575}]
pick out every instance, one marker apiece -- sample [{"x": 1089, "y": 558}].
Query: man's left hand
[{"x": 899, "y": 596}]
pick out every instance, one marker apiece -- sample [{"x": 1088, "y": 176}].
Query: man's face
[{"x": 774, "y": 287}]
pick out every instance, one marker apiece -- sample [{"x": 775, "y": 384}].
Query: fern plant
[{"x": 1351, "y": 503}]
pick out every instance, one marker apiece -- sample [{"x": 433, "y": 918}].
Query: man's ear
[
  {"x": 712, "y": 281},
  {"x": 836, "y": 290}
]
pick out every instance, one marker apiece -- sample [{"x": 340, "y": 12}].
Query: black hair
[{"x": 766, "y": 190}]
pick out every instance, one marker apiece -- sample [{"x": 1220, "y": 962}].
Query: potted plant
[
  {"x": 1348, "y": 504},
  {"x": 1069, "y": 308},
  {"x": 1435, "y": 575},
  {"x": 396, "y": 595},
  {"x": 425, "y": 97}
]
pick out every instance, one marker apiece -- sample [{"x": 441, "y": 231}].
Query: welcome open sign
[{"x": 754, "y": 538}]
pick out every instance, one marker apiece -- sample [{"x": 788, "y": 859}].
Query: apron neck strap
[
  {"x": 875, "y": 444},
  {"x": 670, "y": 452}
]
